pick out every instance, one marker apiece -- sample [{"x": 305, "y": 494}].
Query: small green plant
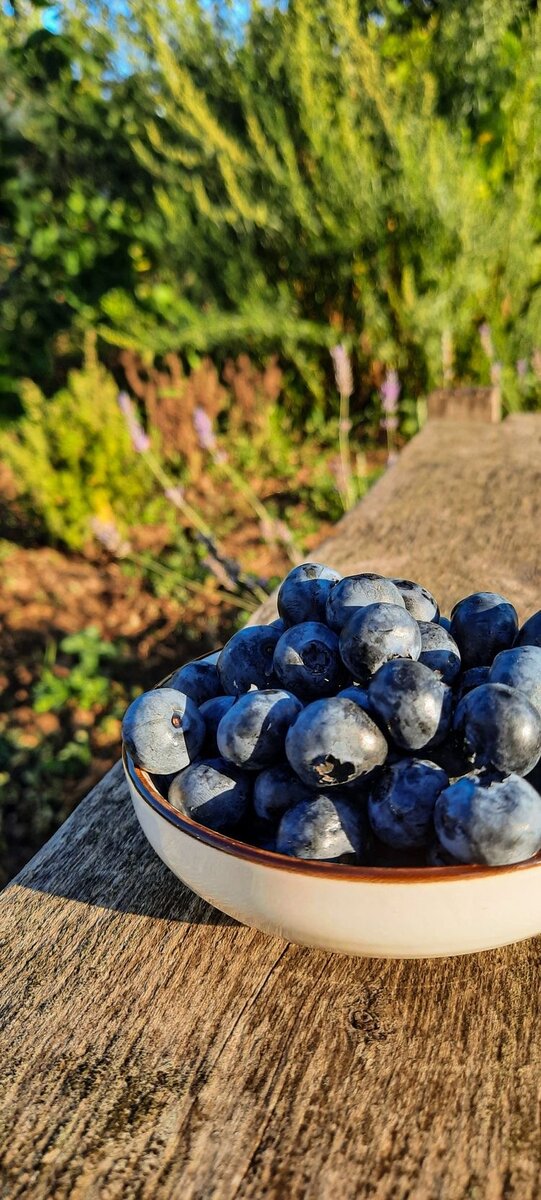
[
  {"x": 85, "y": 685},
  {"x": 71, "y": 456}
]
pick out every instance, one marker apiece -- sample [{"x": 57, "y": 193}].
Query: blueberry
[
  {"x": 246, "y": 660},
  {"x": 482, "y": 625},
  {"x": 334, "y": 741},
  {"x": 439, "y": 651},
  {"x": 163, "y": 731},
  {"x": 419, "y": 602},
  {"x": 199, "y": 680},
  {"x": 213, "y": 792},
  {"x": 212, "y": 712},
  {"x": 471, "y": 679},
  {"x": 356, "y": 591},
  {"x": 307, "y": 660},
  {"x": 487, "y": 820},
  {"x": 445, "y": 623},
  {"x": 358, "y": 694},
  {"x": 376, "y": 634},
  {"x": 530, "y": 633},
  {"x": 279, "y": 625},
  {"x": 276, "y": 789},
  {"x": 520, "y": 668},
  {"x": 330, "y": 827},
  {"x": 252, "y": 733},
  {"x": 436, "y": 856},
  {"x": 304, "y": 592},
  {"x": 498, "y": 727},
  {"x": 257, "y": 833},
  {"x": 412, "y": 703},
  {"x": 401, "y": 803}
]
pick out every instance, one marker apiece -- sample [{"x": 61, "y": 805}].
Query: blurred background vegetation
[{"x": 239, "y": 244}]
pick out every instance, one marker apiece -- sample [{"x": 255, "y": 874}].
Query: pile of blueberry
[{"x": 360, "y": 727}]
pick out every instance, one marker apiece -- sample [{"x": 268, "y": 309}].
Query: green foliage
[
  {"x": 72, "y": 458},
  {"x": 340, "y": 170},
  {"x": 85, "y": 684}
]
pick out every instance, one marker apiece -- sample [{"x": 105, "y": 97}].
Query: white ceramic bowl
[{"x": 379, "y": 912}]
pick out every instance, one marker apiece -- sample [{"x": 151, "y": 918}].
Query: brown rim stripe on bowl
[{"x": 303, "y": 866}]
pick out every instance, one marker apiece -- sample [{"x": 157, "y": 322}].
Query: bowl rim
[{"x": 148, "y": 792}]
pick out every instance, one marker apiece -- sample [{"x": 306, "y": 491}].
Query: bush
[{"x": 72, "y": 459}]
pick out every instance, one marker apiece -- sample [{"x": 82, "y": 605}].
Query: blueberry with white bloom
[
  {"x": 213, "y": 792},
  {"x": 307, "y": 660},
  {"x": 498, "y": 727},
  {"x": 246, "y": 660},
  {"x": 199, "y": 680},
  {"x": 163, "y": 731},
  {"x": 276, "y": 789},
  {"x": 436, "y": 856},
  {"x": 376, "y": 634},
  {"x": 304, "y": 593},
  {"x": 401, "y": 803},
  {"x": 334, "y": 741},
  {"x": 439, "y": 651},
  {"x": 329, "y": 828},
  {"x": 520, "y": 668},
  {"x": 212, "y": 712},
  {"x": 483, "y": 624},
  {"x": 413, "y": 705},
  {"x": 252, "y": 734},
  {"x": 356, "y": 591},
  {"x": 419, "y": 602},
  {"x": 489, "y": 820},
  {"x": 530, "y": 633},
  {"x": 358, "y": 694}
]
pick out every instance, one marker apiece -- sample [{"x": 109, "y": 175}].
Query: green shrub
[{"x": 72, "y": 458}]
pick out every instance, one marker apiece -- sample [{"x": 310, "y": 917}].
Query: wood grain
[{"x": 151, "y": 1047}]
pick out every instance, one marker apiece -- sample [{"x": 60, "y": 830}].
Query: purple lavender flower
[
  {"x": 342, "y": 370},
  {"x": 536, "y": 362},
  {"x": 110, "y": 536},
  {"x": 522, "y": 367},
  {"x": 175, "y": 494},
  {"x": 140, "y": 439},
  {"x": 203, "y": 429},
  {"x": 390, "y": 392}
]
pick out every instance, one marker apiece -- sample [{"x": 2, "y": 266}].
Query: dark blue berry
[
  {"x": 439, "y": 651},
  {"x": 330, "y": 828},
  {"x": 487, "y": 820},
  {"x": 419, "y": 602},
  {"x": 304, "y": 593},
  {"x": 356, "y": 591},
  {"x": 199, "y": 680},
  {"x": 246, "y": 660},
  {"x": 414, "y": 706},
  {"x": 483, "y": 624},
  {"x": 498, "y": 727},
  {"x": 520, "y": 668},
  {"x": 530, "y": 633},
  {"x": 213, "y": 792},
  {"x": 401, "y": 803},
  {"x": 334, "y": 741},
  {"x": 252, "y": 734},
  {"x": 276, "y": 789},
  {"x": 307, "y": 660},
  {"x": 376, "y": 634},
  {"x": 212, "y": 712},
  {"x": 163, "y": 731}
]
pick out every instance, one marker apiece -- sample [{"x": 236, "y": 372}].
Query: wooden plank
[
  {"x": 465, "y": 404},
  {"x": 152, "y": 1048}
]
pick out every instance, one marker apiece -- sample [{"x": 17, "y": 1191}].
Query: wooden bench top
[{"x": 151, "y": 1047}]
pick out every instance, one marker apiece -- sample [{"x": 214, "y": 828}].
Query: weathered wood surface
[
  {"x": 151, "y": 1048},
  {"x": 472, "y": 403}
]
